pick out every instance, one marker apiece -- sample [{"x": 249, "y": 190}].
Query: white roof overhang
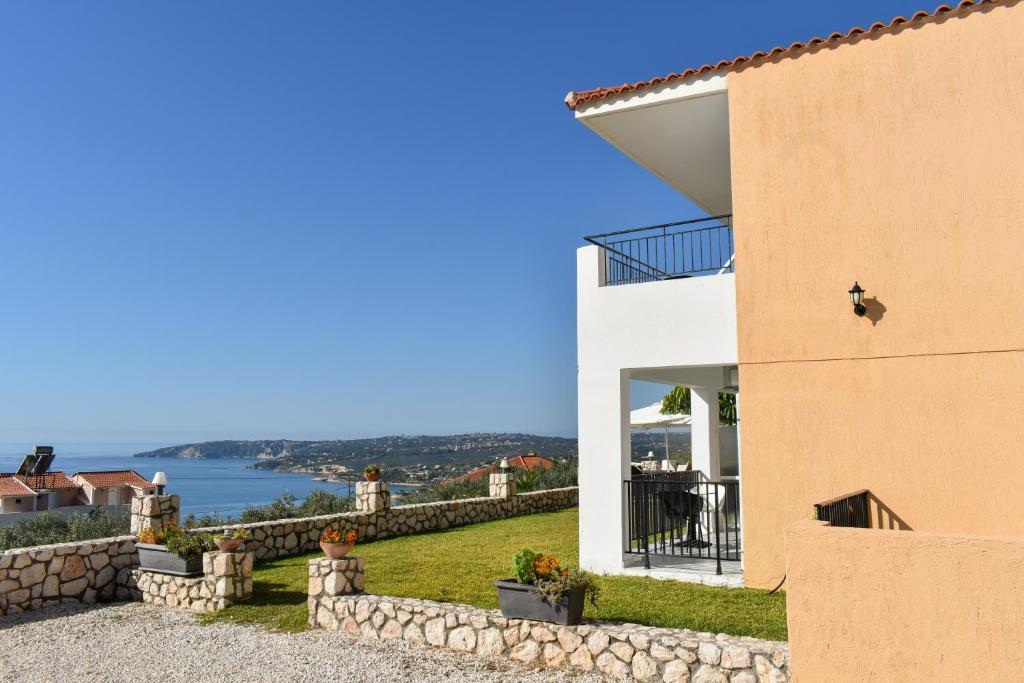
[{"x": 679, "y": 132}]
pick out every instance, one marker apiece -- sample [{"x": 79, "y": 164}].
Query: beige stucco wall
[
  {"x": 895, "y": 161},
  {"x": 11, "y": 504},
  {"x": 903, "y": 606}
]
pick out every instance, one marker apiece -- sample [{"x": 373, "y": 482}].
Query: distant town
[{"x": 419, "y": 459}]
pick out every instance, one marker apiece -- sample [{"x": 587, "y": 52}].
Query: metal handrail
[
  {"x": 680, "y": 249},
  {"x": 847, "y": 510},
  {"x": 627, "y": 231},
  {"x": 668, "y": 516}
]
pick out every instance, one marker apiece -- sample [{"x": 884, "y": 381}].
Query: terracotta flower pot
[
  {"x": 227, "y": 545},
  {"x": 371, "y": 476},
  {"x": 336, "y": 551}
]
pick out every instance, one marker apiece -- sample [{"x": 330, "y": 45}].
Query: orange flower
[
  {"x": 334, "y": 534},
  {"x": 547, "y": 567}
]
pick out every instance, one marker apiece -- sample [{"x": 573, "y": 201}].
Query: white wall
[{"x": 622, "y": 330}]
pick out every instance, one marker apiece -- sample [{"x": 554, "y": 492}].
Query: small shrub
[
  {"x": 449, "y": 489},
  {"x": 187, "y": 545},
  {"x": 321, "y": 502},
  {"x": 561, "y": 475},
  {"x": 100, "y": 523},
  {"x": 549, "y": 579},
  {"x": 49, "y": 527},
  {"x": 522, "y": 566},
  {"x": 210, "y": 519}
]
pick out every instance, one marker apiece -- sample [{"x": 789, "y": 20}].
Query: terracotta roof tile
[
  {"x": 574, "y": 99},
  {"x": 11, "y": 485},
  {"x": 50, "y": 480},
  {"x": 115, "y": 478},
  {"x": 530, "y": 462}
]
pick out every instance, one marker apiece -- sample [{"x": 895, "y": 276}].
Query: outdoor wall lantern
[
  {"x": 857, "y": 299},
  {"x": 504, "y": 465},
  {"x": 160, "y": 479}
]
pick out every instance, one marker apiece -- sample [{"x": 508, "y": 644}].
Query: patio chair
[
  {"x": 679, "y": 504},
  {"x": 715, "y": 507}
]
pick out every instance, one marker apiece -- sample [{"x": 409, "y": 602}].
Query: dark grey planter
[
  {"x": 517, "y": 601},
  {"x": 157, "y": 558}
]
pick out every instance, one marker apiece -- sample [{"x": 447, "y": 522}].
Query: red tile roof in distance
[
  {"x": 575, "y": 99},
  {"x": 115, "y": 478},
  {"x": 50, "y": 480},
  {"x": 530, "y": 461},
  {"x": 10, "y": 485}
]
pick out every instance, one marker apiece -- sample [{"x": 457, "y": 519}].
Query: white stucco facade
[{"x": 680, "y": 331}]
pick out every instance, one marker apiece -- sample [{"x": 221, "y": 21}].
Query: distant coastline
[{"x": 411, "y": 460}]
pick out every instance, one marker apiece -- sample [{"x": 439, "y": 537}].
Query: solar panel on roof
[
  {"x": 27, "y": 465},
  {"x": 43, "y": 462}
]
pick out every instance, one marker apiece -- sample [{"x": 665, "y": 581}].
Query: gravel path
[{"x": 136, "y": 642}]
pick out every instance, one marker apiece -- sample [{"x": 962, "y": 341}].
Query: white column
[
  {"x": 704, "y": 431},
  {"x": 604, "y": 445}
]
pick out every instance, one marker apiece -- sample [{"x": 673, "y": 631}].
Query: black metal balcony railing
[
  {"x": 684, "y": 516},
  {"x": 849, "y": 510},
  {"x": 701, "y": 246}
]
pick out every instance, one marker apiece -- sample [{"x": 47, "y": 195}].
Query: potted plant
[
  {"x": 545, "y": 591},
  {"x": 231, "y": 540},
  {"x": 336, "y": 541},
  {"x": 371, "y": 472},
  {"x": 172, "y": 551}
]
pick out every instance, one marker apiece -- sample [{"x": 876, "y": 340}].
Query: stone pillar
[
  {"x": 503, "y": 485},
  {"x": 154, "y": 512},
  {"x": 373, "y": 496},
  {"x": 229, "y": 575},
  {"x": 704, "y": 431},
  {"x": 336, "y": 577},
  {"x": 329, "y": 579}
]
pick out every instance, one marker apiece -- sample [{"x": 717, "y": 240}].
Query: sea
[{"x": 221, "y": 486}]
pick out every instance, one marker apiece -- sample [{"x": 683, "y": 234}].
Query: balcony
[{"x": 690, "y": 248}]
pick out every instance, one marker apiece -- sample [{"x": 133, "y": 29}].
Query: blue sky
[{"x": 321, "y": 219}]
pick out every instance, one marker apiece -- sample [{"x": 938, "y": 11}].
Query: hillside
[
  {"x": 408, "y": 458},
  {"x": 227, "y": 449}
]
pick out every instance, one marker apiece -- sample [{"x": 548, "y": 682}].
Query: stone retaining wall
[
  {"x": 101, "y": 570},
  {"x": 227, "y": 579},
  {"x": 89, "y": 571},
  {"x": 285, "y": 537},
  {"x": 623, "y": 650}
]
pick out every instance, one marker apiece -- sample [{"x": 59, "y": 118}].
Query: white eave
[{"x": 679, "y": 132}]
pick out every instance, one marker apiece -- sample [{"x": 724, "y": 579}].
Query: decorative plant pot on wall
[
  {"x": 157, "y": 558},
  {"x": 336, "y": 551},
  {"x": 371, "y": 476},
  {"x": 228, "y": 545},
  {"x": 518, "y": 601}
]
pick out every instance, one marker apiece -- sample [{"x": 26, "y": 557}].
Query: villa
[
  {"x": 854, "y": 282},
  {"x": 112, "y": 487},
  {"x": 34, "y": 488}
]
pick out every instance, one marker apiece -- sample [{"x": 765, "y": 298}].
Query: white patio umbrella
[{"x": 650, "y": 416}]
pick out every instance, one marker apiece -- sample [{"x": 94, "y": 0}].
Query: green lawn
[{"x": 459, "y": 565}]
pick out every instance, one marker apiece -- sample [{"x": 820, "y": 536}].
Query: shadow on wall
[
  {"x": 875, "y": 310},
  {"x": 882, "y": 516}
]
